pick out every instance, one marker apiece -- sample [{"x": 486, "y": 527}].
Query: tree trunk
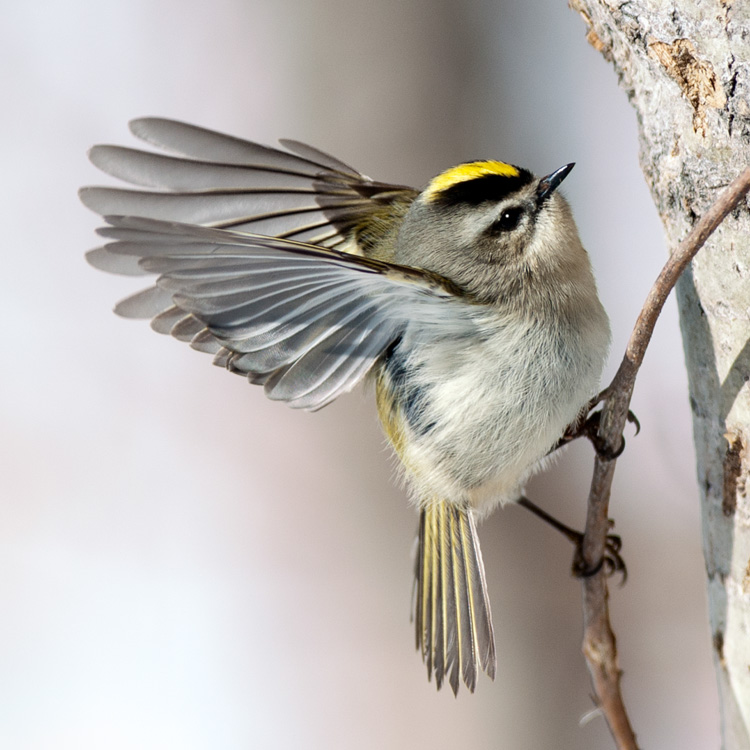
[{"x": 687, "y": 73}]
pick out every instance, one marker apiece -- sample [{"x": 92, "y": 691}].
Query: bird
[{"x": 470, "y": 304}]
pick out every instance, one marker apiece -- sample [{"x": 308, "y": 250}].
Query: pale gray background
[{"x": 186, "y": 565}]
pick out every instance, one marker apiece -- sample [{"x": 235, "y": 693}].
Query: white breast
[{"x": 481, "y": 412}]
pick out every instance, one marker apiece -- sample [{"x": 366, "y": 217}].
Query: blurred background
[{"x": 184, "y": 564}]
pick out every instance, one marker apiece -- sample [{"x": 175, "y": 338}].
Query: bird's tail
[{"x": 452, "y": 609}]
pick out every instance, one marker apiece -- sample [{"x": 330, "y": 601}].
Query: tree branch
[{"x": 599, "y": 645}]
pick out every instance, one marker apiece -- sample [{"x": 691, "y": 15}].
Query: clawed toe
[
  {"x": 612, "y": 561},
  {"x": 589, "y": 428}
]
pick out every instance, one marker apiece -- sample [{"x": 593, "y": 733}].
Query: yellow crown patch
[{"x": 465, "y": 172}]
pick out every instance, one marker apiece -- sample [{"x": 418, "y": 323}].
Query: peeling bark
[{"x": 686, "y": 71}]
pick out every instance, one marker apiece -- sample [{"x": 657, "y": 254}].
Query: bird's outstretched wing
[
  {"x": 307, "y": 322},
  {"x": 220, "y": 181}
]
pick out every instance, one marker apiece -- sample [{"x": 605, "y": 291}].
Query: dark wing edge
[{"x": 304, "y": 321}]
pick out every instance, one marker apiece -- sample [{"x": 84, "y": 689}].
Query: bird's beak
[{"x": 548, "y": 185}]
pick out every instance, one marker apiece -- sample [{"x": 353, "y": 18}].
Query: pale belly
[{"x": 472, "y": 421}]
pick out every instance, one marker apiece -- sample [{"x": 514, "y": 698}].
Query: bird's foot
[
  {"x": 589, "y": 428},
  {"x": 611, "y": 560}
]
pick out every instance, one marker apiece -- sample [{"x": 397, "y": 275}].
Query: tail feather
[{"x": 452, "y": 613}]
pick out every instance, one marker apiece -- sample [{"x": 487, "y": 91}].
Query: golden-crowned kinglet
[{"x": 471, "y": 303}]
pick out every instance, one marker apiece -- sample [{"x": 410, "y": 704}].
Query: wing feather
[
  {"x": 209, "y": 145},
  {"x": 145, "y": 304},
  {"x": 305, "y": 321},
  {"x": 124, "y": 265},
  {"x": 187, "y": 328},
  {"x": 219, "y": 180},
  {"x": 166, "y": 320},
  {"x": 271, "y": 213},
  {"x": 204, "y": 341},
  {"x": 149, "y": 169},
  {"x": 288, "y": 310}
]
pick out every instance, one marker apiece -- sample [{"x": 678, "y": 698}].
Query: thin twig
[{"x": 599, "y": 646}]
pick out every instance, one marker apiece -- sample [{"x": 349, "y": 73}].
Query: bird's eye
[{"x": 508, "y": 219}]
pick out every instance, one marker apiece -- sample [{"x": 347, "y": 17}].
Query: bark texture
[{"x": 686, "y": 69}]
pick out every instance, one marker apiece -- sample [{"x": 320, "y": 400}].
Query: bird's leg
[
  {"x": 612, "y": 560},
  {"x": 589, "y": 428}
]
